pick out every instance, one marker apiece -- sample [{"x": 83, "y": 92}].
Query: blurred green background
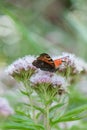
[{"x": 37, "y": 26}]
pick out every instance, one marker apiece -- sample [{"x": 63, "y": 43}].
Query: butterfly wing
[
  {"x": 44, "y": 62},
  {"x": 58, "y": 62}
]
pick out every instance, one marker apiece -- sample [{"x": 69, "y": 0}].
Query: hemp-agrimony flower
[
  {"x": 51, "y": 80},
  {"x": 5, "y": 108},
  {"x": 77, "y": 65},
  {"x": 47, "y": 89},
  {"x": 22, "y": 68}
]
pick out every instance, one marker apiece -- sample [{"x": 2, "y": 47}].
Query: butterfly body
[{"x": 46, "y": 63}]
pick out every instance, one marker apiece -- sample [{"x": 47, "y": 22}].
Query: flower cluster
[
  {"x": 46, "y": 90},
  {"x": 21, "y": 68},
  {"x": 47, "y": 77},
  {"x": 75, "y": 64},
  {"x": 5, "y": 108},
  {"x": 51, "y": 80}
]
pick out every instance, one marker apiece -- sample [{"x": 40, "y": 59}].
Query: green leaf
[
  {"x": 22, "y": 122},
  {"x": 39, "y": 108},
  {"x": 77, "y": 110},
  {"x": 36, "y": 107},
  {"x": 55, "y": 111},
  {"x": 24, "y": 92},
  {"x": 72, "y": 115},
  {"x": 14, "y": 125},
  {"x": 56, "y": 107},
  {"x": 38, "y": 115},
  {"x": 21, "y": 118}
]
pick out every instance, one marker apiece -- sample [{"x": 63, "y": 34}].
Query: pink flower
[
  {"x": 5, "y": 108},
  {"x": 57, "y": 80},
  {"x": 53, "y": 83},
  {"x": 47, "y": 77},
  {"x": 41, "y": 77},
  {"x": 21, "y": 65},
  {"x": 77, "y": 65}
]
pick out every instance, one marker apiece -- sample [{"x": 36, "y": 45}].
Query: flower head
[
  {"x": 21, "y": 66},
  {"x": 5, "y": 108},
  {"x": 76, "y": 64},
  {"x": 48, "y": 80},
  {"x": 41, "y": 77},
  {"x": 57, "y": 80}
]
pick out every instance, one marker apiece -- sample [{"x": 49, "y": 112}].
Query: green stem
[
  {"x": 29, "y": 91},
  {"x": 47, "y": 118}
]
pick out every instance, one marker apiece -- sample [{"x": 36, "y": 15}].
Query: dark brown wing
[{"x": 44, "y": 62}]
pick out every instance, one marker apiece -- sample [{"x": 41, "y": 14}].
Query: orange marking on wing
[{"x": 57, "y": 62}]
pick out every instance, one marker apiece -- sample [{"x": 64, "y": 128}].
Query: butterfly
[{"x": 46, "y": 63}]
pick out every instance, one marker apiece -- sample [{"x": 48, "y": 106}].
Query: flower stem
[
  {"x": 47, "y": 118},
  {"x": 29, "y": 92}
]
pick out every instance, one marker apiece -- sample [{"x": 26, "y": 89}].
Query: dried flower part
[
  {"x": 5, "y": 108},
  {"x": 21, "y": 67},
  {"x": 61, "y": 91},
  {"x": 76, "y": 65},
  {"x": 59, "y": 83}
]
